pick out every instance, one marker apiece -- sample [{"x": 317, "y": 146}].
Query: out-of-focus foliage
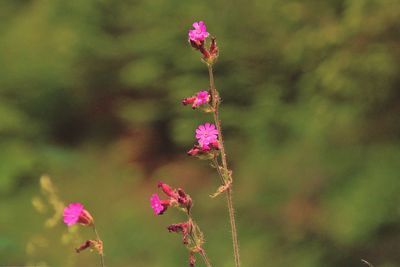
[{"x": 90, "y": 92}]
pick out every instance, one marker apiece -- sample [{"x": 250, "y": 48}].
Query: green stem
[
  {"x": 98, "y": 238},
  {"x": 202, "y": 252},
  {"x": 200, "y": 249},
  {"x": 215, "y": 104},
  {"x": 221, "y": 176}
]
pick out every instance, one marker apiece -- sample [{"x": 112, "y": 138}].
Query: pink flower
[
  {"x": 76, "y": 213},
  {"x": 201, "y": 98},
  {"x": 159, "y": 206},
  {"x": 206, "y": 134},
  {"x": 199, "y": 33}
]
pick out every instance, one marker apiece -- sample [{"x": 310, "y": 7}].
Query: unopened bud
[
  {"x": 188, "y": 100},
  {"x": 85, "y": 218},
  {"x": 184, "y": 199},
  {"x": 194, "y": 151},
  {"x": 168, "y": 190}
]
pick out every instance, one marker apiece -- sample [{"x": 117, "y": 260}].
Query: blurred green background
[{"x": 90, "y": 95}]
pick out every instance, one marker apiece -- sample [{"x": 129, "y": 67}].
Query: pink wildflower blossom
[
  {"x": 201, "y": 98},
  {"x": 159, "y": 206},
  {"x": 199, "y": 33},
  {"x": 206, "y": 134},
  {"x": 76, "y": 213}
]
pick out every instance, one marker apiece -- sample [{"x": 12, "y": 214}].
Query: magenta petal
[
  {"x": 72, "y": 212},
  {"x": 156, "y": 205}
]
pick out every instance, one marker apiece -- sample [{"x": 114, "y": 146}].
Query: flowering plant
[
  {"x": 192, "y": 237},
  {"x": 209, "y": 146},
  {"x": 76, "y": 213}
]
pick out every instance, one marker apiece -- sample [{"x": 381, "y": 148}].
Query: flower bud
[
  {"x": 188, "y": 100},
  {"x": 194, "y": 151},
  {"x": 214, "y": 51},
  {"x": 184, "y": 199},
  {"x": 85, "y": 218},
  {"x": 168, "y": 190},
  {"x": 215, "y": 145}
]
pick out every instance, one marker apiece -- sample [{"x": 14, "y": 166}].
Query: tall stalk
[{"x": 225, "y": 174}]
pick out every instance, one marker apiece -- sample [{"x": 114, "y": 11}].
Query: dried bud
[
  {"x": 84, "y": 246},
  {"x": 92, "y": 244},
  {"x": 181, "y": 228}
]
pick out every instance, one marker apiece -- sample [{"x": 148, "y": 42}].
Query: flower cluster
[
  {"x": 197, "y": 38},
  {"x": 176, "y": 197},
  {"x": 192, "y": 237},
  {"x": 199, "y": 34}
]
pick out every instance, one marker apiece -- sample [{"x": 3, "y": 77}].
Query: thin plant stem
[
  {"x": 98, "y": 238},
  {"x": 202, "y": 252},
  {"x": 226, "y": 171},
  {"x": 221, "y": 176}
]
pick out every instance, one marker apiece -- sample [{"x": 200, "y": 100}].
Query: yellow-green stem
[{"x": 215, "y": 104}]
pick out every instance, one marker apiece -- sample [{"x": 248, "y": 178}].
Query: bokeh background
[{"x": 90, "y": 95}]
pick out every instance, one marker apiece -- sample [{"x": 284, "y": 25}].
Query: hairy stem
[
  {"x": 226, "y": 172},
  {"x": 202, "y": 252},
  {"x": 200, "y": 249},
  {"x": 98, "y": 238},
  {"x": 221, "y": 176},
  {"x": 205, "y": 258}
]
